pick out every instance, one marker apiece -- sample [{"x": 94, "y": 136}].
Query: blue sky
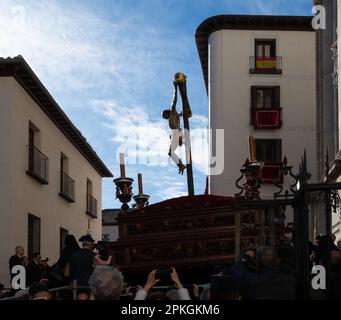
[{"x": 110, "y": 64}]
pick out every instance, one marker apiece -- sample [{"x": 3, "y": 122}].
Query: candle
[
  {"x": 139, "y": 176},
  {"x": 252, "y": 149},
  {"x": 122, "y": 167}
]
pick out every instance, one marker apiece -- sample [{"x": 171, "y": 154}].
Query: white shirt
[{"x": 182, "y": 294}]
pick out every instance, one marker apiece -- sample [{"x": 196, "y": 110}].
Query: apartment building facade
[
  {"x": 260, "y": 76},
  {"x": 50, "y": 177}
]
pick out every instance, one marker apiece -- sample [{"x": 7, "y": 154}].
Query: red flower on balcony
[
  {"x": 271, "y": 173},
  {"x": 266, "y": 118}
]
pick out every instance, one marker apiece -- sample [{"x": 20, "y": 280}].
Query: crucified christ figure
[{"x": 173, "y": 118}]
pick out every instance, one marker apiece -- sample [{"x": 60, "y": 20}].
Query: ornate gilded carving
[
  {"x": 178, "y": 225},
  {"x": 181, "y": 251}
]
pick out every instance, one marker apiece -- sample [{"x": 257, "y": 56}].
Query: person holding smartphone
[{"x": 154, "y": 278}]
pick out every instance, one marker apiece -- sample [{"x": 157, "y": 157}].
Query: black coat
[
  {"x": 66, "y": 256},
  {"x": 269, "y": 284},
  {"x": 15, "y": 261},
  {"x": 81, "y": 266},
  {"x": 34, "y": 273}
]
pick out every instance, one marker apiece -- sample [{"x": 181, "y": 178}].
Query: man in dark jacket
[
  {"x": 266, "y": 284},
  {"x": 34, "y": 269},
  {"x": 82, "y": 264},
  {"x": 16, "y": 260}
]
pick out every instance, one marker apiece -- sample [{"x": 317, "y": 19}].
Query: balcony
[
  {"x": 38, "y": 165},
  {"x": 67, "y": 188},
  {"x": 271, "y": 173},
  {"x": 266, "y": 65},
  {"x": 91, "y": 206},
  {"x": 267, "y": 118}
]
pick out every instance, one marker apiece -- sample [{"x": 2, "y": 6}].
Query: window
[
  {"x": 88, "y": 186},
  {"x": 64, "y": 164},
  {"x": 265, "y": 48},
  {"x": 67, "y": 184},
  {"x": 34, "y": 135},
  {"x": 63, "y": 234},
  {"x": 265, "y": 107},
  {"x": 37, "y": 161},
  {"x": 33, "y": 235},
  {"x": 265, "y": 59},
  {"x": 91, "y": 203},
  {"x": 269, "y": 151},
  {"x": 265, "y": 97}
]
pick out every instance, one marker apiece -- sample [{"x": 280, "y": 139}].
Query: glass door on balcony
[
  {"x": 37, "y": 161},
  {"x": 91, "y": 204},
  {"x": 269, "y": 151},
  {"x": 265, "y": 59},
  {"x": 33, "y": 235},
  {"x": 67, "y": 184},
  {"x": 63, "y": 233},
  {"x": 265, "y": 107},
  {"x": 265, "y": 98},
  {"x": 265, "y": 48}
]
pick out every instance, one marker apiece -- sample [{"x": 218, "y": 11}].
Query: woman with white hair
[{"x": 106, "y": 283}]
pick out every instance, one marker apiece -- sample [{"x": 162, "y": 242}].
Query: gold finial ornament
[{"x": 180, "y": 78}]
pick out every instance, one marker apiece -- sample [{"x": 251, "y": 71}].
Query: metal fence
[{"x": 73, "y": 288}]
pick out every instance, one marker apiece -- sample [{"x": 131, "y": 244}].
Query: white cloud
[
  {"x": 107, "y": 66},
  {"x": 266, "y": 7},
  {"x": 146, "y": 141},
  {"x": 72, "y": 46}
]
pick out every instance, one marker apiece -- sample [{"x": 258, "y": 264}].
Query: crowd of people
[{"x": 261, "y": 274}]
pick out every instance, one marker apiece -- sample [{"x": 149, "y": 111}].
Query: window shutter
[
  {"x": 253, "y": 102},
  {"x": 278, "y": 151},
  {"x": 253, "y": 97},
  {"x": 277, "y": 97},
  {"x": 273, "y": 48}
]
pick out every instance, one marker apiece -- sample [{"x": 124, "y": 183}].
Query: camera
[{"x": 164, "y": 275}]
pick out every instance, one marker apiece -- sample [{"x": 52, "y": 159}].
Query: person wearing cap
[{"x": 82, "y": 264}]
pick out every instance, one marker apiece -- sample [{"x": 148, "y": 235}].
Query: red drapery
[
  {"x": 266, "y": 63},
  {"x": 270, "y": 173},
  {"x": 267, "y": 118}
]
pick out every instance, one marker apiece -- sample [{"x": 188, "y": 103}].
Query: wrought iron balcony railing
[
  {"x": 266, "y": 118},
  {"x": 91, "y": 206},
  {"x": 67, "y": 190},
  {"x": 267, "y": 65},
  {"x": 38, "y": 165}
]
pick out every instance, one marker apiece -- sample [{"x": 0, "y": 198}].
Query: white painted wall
[
  {"x": 230, "y": 99},
  {"x": 6, "y": 221},
  {"x": 20, "y": 194}
]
